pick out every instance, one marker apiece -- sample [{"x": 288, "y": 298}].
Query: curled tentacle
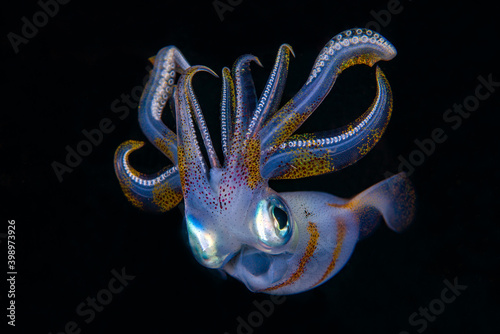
[
  {"x": 246, "y": 98},
  {"x": 158, "y": 192},
  {"x": 200, "y": 120},
  {"x": 271, "y": 96},
  {"x": 351, "y": 47},
  {"x": 193, "y": 169},
  {"x": 157, "y": 92},
  {"x": 323, "y": 152}
]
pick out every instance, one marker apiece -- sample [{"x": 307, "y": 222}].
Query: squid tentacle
[
  {"x": 200, "y": 120},
  {"x": 246, "y": 98},
  {"x": 161, "y": 191},
  {"x": 323, "y": 152},
  {"x": 227, "y": 106},
  {"x": 271, "y": 96},
  {"x": 193, "y": 169},
  {"x": 167, "y": 63},
  {"x": 351, "y": 47},
  {"x": 157, "y": 192}
]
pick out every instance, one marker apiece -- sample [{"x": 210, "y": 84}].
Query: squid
[{"x": 275, "y": 243}]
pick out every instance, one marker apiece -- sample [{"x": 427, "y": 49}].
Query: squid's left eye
[{"x": 272, "y": 222}]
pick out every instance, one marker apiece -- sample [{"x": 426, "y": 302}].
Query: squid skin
[{"x": 275, "y": 243}]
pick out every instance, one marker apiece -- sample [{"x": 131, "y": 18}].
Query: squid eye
[
  {"x": 272, "y": 223},
  {"x": 280, "y": 218}
]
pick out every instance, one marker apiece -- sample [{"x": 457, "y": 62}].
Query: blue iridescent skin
[{"x": 276, "y": 243}]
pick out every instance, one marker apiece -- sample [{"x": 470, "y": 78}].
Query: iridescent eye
[
  {"x": 280, "y": 218},
  {"x": 272, "y": 222}
]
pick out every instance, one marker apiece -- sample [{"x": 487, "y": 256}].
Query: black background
[{"x": 72, "y": 234}]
